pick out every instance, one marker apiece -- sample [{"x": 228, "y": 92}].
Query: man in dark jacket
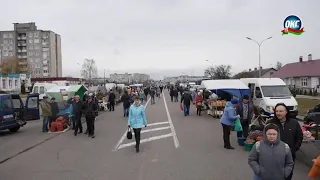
[
  {"x": 245, "y": 110},
  {"x": 186, "y": 99},
  {"x": 126, "y": 103},
  {"x": 175, "y": 94},
  {"x": 290, "y": 130},
  {"x": 54, "y": 110},
  {"x": 89, "y": 110},
  {"x": 146, "y": 92},
  {"x": 152, "y": 93},
  {"x": 171, "y": 94},
  {"x": 112, "y": 98},
  {"x": 77, "y": 112}
]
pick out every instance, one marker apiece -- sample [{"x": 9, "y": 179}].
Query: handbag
[
  {"x": 181, "y": 107},
  {"x": 129, "y": 134}
]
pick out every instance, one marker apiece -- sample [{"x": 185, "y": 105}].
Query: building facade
[
  {"x": 60, "y": 81},
  {"x": 254, "y": 73},
  {"x": 183, "y": 79},
  {"x": 40, "y": 50},
  {"x": 301, "y": 74},
  {"x": 12, "y": 82}
]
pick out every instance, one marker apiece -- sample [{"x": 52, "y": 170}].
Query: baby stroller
[{"x": 260, "y": 119}]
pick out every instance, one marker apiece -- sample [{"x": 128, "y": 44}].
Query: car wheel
[{"x": 15, "y": 129}]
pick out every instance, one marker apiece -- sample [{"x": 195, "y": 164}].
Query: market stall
[
  {"x": 223, "y": 89},
  {"x": 62, "y": 94}
]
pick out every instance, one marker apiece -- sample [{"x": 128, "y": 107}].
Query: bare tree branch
[
  {"x": 89, "y": 70},
  {"x": 14, "y": 65},
  {"x": 278, "y": 65}
]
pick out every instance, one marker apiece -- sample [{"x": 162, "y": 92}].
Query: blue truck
[{"x": 14, "y": 113}]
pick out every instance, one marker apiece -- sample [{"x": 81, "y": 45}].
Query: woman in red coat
[{"x": 199, "y": 101}]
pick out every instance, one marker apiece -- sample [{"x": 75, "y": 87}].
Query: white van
[
  {"x": 267, "y": 92},
  {"x": 42, "y": 88}
]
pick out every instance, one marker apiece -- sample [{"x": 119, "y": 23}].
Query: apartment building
[{"x": 40, "y": 50}]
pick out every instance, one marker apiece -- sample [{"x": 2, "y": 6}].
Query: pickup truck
[{"x": 14, "y": 113}]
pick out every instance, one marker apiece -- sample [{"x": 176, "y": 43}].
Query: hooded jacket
[
  {"x": 137, "y": 116},
  {"x": 229, "y": 114},
  {"x": 271, "y": 160}
]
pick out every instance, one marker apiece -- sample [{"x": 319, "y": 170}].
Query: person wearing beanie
[
  {"x": 227, "y": 121},
  {"x": 245, "y": 110},
  {"x": 263, "y": 154}
]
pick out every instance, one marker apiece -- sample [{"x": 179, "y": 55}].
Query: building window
[
  {"x": 36, "y": 34},
  {"x": 10, "y": 41},
  {"x": 37, "y": 59},
  {"x": 45, "y": 55},
  {"x": 10, "y": 47},
  {"x": 30, "y": 41},
  {"x": 10, "y": 84},
  {"x": 5, "y": 53},
  {"x": 36, "y": 47},
  {"x": 37, "y": 53},
  {"x": 31, "y": 60},
  {"x": 5, "y": 41},
  {"x": 30, "y": 47},
  {"x": 5, "y": 35},
  {"x": 10, "y": 35},
  {"x": 10, "y": 53},
  {"x": 36, "y": 40},
  {"x": 304, "y": 82},
  {"x": 30, "y": 35},
  {"x": 3, "y": 83}
]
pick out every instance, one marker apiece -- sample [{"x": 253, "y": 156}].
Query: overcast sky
[{"x": 170, "y": 37}]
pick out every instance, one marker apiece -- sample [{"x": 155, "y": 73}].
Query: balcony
[
  {"x": 22, "y": 37},
  {"x": 22, "y": 44},
  {"x": 22, "y": 50},
  {"x": 45, "y": 68}
]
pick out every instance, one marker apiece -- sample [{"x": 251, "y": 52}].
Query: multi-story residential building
[
  {"x": 40, "y": 50},
  {"x": 121, "y": 78},
  {"x": 140, "y": 77}
]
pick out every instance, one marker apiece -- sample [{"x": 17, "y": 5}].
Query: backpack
[{"x": 258, "y": 147}]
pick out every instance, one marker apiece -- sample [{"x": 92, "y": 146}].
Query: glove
[{"x": 128, "y": 126}]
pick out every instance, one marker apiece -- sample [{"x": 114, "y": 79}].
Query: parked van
[
  {"x": 267, "y": 92},
  {"x": 14, "y": 113},
  {"x": 42, "y": 88}
]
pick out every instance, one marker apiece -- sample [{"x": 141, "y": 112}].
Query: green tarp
[{"x": 62, "y": 93}]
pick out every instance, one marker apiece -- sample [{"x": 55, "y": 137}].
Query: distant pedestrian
[
  {"x": 271, "y": 159},
  {"x": 137, "y": 119},
  {"x": 245, "y": 110},
  {"x": 77, "y": 112},
  {"x": 54, "y": 110},
  {"x": 158, "y": 92},
  {"x": 227, "y": 120},
  {"x": 152, "y": 94},
  {"x": 112, "y": 99},
  {"x": 46, "y": 113},
  {"x": 90, "y": 109},
  {"x": 199, "y": 100},
  {"x": 125, "y": 103},
  {"x": 186, "y": 100}
]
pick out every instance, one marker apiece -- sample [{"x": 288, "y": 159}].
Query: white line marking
[
  {"x": 125, "y": 133},
  {"x": 146, "y": 140},
  {"x": 155, "y": 129},
  {"x": 159, "y": 123},
  {"x": 174, "y": 135}
]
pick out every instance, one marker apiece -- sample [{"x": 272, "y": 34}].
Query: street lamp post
[
  {"x": 211, "y": 67},
  {"x": 259, "y": 45},
  {"x": 104, "y": 76}
]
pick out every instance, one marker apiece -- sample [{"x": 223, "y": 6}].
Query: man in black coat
[
  {"x": 77, "y": 112},
  {"x": 89, "y": 110},
  {"x": 245, "y": 110},
  {"x": 112, "y": 98},
  {"x": 290, "y": 130},
  {"x": 186, "y": 99},
  {"x": 126, "y": 103}
]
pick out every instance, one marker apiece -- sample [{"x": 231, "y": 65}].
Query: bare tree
[
  {"x": 218, "y": 72},
  {"x": 278, "y": 65},
  {"x": 14, "y": 65},
  {"x": 89, "y": 70}
]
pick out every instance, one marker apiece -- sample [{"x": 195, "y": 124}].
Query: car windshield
[{"x": 275, "y": 91}]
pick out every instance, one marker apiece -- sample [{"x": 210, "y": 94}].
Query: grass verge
[{"x": 305, "y": 104}]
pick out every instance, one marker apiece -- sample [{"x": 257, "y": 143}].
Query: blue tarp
[
  {"x": 65, "y": 111},
  {"x": 233, "y": 92}
]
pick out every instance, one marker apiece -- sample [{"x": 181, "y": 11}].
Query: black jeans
[
  {"x": 111, "y": 105},
  {"x": 137, "y": 136},
  {"x": 226, "y": 135},
  {"x": 78, "y": 123},
  {"x": 245, "y": 129},
  {"x": 176, "y": 99},
  {"x": 199, "y": 111},
  {"x": 171, "y": 98},
  {"x": 90, "y": 125}
]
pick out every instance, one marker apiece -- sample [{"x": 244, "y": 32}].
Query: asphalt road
[{"x": 175, "y": 148}]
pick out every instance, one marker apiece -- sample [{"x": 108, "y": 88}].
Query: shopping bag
[
  {"x": 181, "y": 107},
  {"x": 237, "y": 125},
  {"x": 129, "y": 134}
]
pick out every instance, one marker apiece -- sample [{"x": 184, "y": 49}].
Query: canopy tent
[
  {"x": 233, "y": 87},
  {"x": 62, "y": 93}
]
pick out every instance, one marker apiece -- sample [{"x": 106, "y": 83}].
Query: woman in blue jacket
[
  {"x": 227, "y": 120},
  {"x": 137, "y": 119}
]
